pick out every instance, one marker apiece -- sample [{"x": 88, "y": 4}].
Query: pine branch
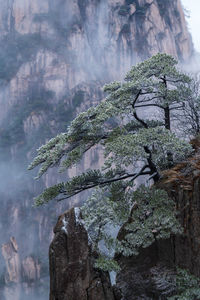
[{"x": 106, "y": 182}]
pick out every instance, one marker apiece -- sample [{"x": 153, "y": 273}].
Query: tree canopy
[
  {"x": 137, "y": 126},
  {"x": 133, "y": 144}
]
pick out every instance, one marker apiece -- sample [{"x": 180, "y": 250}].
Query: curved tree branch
[{"x": 142, "y": 172}]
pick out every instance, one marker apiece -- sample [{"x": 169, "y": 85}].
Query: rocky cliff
[
  {"x": 22, "y": 276},
  {"x": 54, "y": 58},
  {"x": 72, "y": 272},
  {"x": 151, "y": 275}
]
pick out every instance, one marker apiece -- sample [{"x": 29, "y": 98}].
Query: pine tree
[{"x": 135, "y": 128}]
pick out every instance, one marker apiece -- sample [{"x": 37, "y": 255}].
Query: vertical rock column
[
  {"x": 21, "y": 276},
  {"x": 11, "y": 257},
  {"x": 72, "y": 272},
  {"x": 13, "y": 269}
]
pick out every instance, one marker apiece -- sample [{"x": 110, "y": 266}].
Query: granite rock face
[
  {"x": 72, "y": 274},
  {"x": 12, "y": 260},
  {"x": 21, "y": 275}
]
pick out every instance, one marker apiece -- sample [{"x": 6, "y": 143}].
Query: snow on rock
[
  {"x": 79, "y": 220},
  {"x": 65, "y": 223}
]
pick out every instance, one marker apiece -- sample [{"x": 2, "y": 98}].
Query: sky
[{"x": 193, "y": 8}]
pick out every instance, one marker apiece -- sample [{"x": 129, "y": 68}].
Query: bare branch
[{"x": 145, "y": 105}]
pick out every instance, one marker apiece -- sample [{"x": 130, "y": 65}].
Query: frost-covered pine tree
[{"x": 133, "y": 125}]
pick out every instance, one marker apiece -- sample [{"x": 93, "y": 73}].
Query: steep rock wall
[
  {"x": 54, "y": 57},
  {"x": 183, "y": 184}
]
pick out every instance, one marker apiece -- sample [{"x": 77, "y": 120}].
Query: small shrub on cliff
[{"x": 134, "y": 128}]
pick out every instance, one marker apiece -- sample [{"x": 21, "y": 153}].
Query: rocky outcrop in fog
[
  {"x": 55, "y": 55},
  {"x": 22, "y": 275},
  {"x": 12, "y": 260},
  {"x": 72, "y": 272}
]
